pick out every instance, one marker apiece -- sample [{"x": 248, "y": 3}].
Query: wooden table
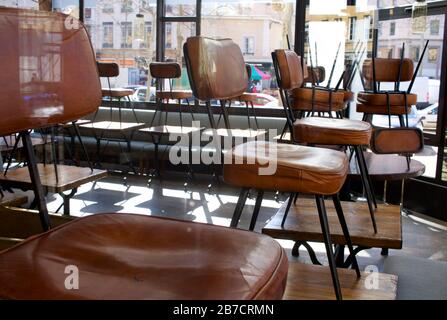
[
  {"x": 311, "y": 282},
  {"x": 302, "y": 224},
  {"x": 125, "y": 129},
  {"x": 70, "y": 178}
]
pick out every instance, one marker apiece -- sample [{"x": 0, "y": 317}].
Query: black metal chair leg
[
  {"x": 371, "y": 188},
  {"x": 35, "y": 180},
  {"x": 344, "y": 227},
  {"x": 328, "y": 244},
  {"x": 256, "y": 210},
  {"x": 239, "y": 207},
  {"x": 365, "y": 183},
  {"x": 296, "y": 198},
  {"x": 289, "y": 203}
]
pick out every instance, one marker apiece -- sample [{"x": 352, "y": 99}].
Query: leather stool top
[
  {"x": 298, "y": 168},
  {"x": 301, "y": 99},
  {"x": 129, "y": 256},
  {"x": 174, "y": 94},
  {"x": 380, "y": 99},
  {"x": 383, "y": 109},
  {"x": 332, "y": 131},
  {"x": 116, "y": 92}
]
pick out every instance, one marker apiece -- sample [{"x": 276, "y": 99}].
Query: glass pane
[
  {"x": 123, "y": 31},
  {"x": 24, "y": 4},
  {"x": 259, "y": 27},
  {"x": 427, "y": 83},
  {"x": 70, "y": 7},
  {"x": 176, "y": 34},
  {"x": 181, "y": 8}
]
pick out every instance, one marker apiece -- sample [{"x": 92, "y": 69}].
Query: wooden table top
[
  {"x": 70, "y": 177},
  {"x": 312, "y": 282},
  {"x": 171, "y": 130},
  {"x": 303, "y": 224},
  {"x": 113, "y": 125},
  {"x": 389, "y": 167},
  {"x": 240, "y": 133}
]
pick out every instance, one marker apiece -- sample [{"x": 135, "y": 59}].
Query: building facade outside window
[
  {"x": 126, "y": 34},
  {"x": 107, "y": 40},
  {"x": 434, "y": 27},
  {"x": 392, "y": 28},
  {"x": 248, "y": 45}
]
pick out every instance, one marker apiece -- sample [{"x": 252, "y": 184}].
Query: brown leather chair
[
  {"x": 291, "y": 75},
  {"x": 118, "y": 256},
  {"x": 168, "y": 71},
  {"x": 340, "y": 132},
  {"x": 111, "y": 70},
  {"x": 386, "y": 102},
  {"x": 308, "y": 170},
  {"x": 296, "y": 169},
  {"x": 209, "y": 70}
]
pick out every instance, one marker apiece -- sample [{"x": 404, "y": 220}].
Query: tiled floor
[{"x": 423, "y": 237}]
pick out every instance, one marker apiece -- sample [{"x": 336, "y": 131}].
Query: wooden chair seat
[
  {"x": 301, "y": 99},
  {"x": 247, "y": 97},
  {"x": 331, "y": 131},
  {"x": 116, "y": 92},
  {"x": 380, "y": 99},
  {"x": 174, "y": 94},
  {"x": 119, "y": 256},
  {"x": 298, "y": 169},
  {"x": 383, "y": 109}
]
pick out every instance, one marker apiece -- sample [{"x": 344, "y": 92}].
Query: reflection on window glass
[
  {"x": 258, "y": 27},
  {"x": 24, "y": 4},
  {"x": 176, "y": 34},
  {"x": 181, "y": 8},
  {"x": 70, "y": 7},
  {"x": 123, "y": 31}
]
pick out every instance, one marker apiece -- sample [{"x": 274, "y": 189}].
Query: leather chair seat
[
  {"x": 301, "y": 99},
  {"x": 116, "y": 92},
  {"x": 383, "y": 109},
  {"x": 331, "y": 131},
  {"x": 129, "y": 256},
  {"x": 298, "y": 168},
  {"x": 247, "y": 97},
  {"x": 174, "y": 94},
  {"x": 379, "y": 99}
]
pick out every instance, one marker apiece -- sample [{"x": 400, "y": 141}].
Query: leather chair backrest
[
  {"x": 289, "y": 69},
  {"x": 397, "y": 140},
  {"x": 48, "y": 71},
  {"x": 165, "y": 70},
  {"x": 216, "y": 68},
  {"x": 108, "y": 69},
  {"x": 319, "y": 74},
  {"x": 387, "y": 70}
]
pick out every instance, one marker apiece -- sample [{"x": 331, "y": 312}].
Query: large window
[
  {"x": 259, "y": 27},
  {"x": 124, "y": 31}
]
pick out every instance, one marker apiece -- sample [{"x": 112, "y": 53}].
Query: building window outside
[
  {"x": 107, "y": 28},
  {"x": 415, "y": 53},
  {"x": 126, "y": 34},
  {"x": 147, "y": 33},
  {"x": 107, "y": 7},
  {"x": 87, "y": 13},
  {"x": 392, "y": 28},
  {"x": 126, "y": 6},
  {"x": 432, "y": 55},
  {"x": 352, "y": 28},
  {"x": 434, "y": 27},
  {"x": 248, "y": 45},
  {"x": 168, "y": 35}
]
